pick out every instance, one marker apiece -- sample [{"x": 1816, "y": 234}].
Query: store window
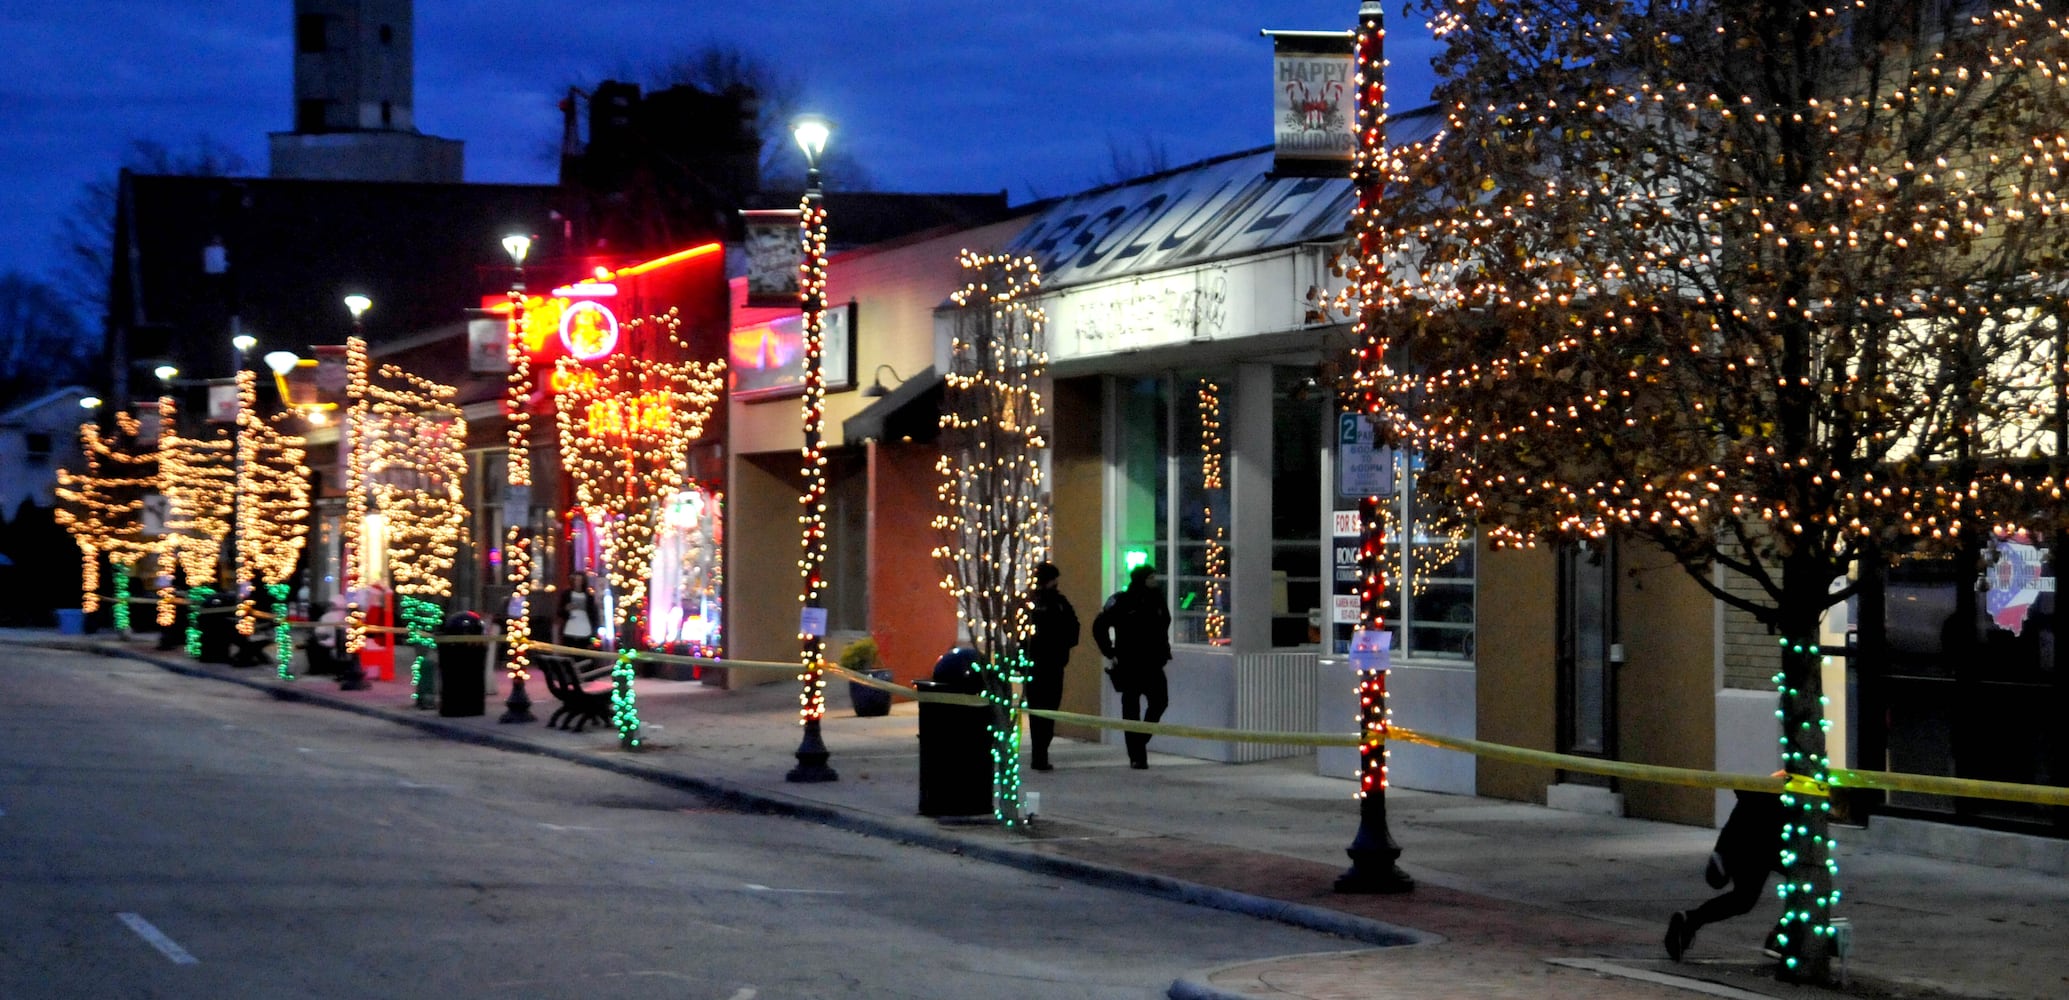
[
  {"x": 1172, "y": 506},
  {"x": 1428, "y": 561}
]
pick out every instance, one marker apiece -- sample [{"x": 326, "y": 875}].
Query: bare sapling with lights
[
  {"x": 995, "y": 516},
  {"x": 101, "y": 507},
  {"x": 1772, "y": 287},
  {"x": 626, "y": 425},
  {"x": 197, "y": 474},
  {"x": 272, "y": 517},
  {"x": 409, "y": 450}
]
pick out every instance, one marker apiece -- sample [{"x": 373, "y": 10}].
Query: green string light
[
  {"x": 624, "y": 710},
  {"x": 420, "y": 618},
  {"x": 121, "y": 599},
  {"x": 196, "y": 596},
  {"x": 283, "y": 642}
]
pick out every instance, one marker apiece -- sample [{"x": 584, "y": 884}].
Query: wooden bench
[{"x": 579, "y": 705}]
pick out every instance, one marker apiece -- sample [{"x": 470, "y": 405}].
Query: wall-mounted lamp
[
  {"x": 89, "y": 402},
  {"x": 876, "y": 388}
]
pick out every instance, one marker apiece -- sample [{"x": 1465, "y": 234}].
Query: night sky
[{"x": 928, "y": 95}]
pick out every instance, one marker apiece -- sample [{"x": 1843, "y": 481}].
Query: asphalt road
[{"x": 164, "y": 836}]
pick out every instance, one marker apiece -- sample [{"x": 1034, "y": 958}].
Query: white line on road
[
  {"x": 808, "y": 892},
  {"x": 157, "y": 939},
  {"x": 557, "y": 828},
  {"x": 745, "y": 993}
]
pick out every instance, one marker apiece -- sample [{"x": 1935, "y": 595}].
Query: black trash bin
[
  {"x": 955, "y": 759},
  {"x": 216, "y": 624},
  {"x": 462, "y": 667}
]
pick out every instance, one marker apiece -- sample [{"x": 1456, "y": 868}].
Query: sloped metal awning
[{"x": 910, "y": 412}]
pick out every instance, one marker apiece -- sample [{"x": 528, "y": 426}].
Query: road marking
[
  {"x": 557, "y": 828},
  {"x": 744, "y": 993},
  {"x": 806, "y": 892},
  {"x": 157, "y": 939}
]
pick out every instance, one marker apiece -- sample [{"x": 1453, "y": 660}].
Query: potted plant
[{"x": 861, "y": 657}]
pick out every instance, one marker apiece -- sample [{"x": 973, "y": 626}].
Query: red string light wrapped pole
[
  {"x": 1373, "y": 852},
  {"x": 811, "y": 133}
]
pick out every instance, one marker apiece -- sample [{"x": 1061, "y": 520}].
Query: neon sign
[
  {"x": 588, "y": 330},
  {"x": 628, "y": 416}
]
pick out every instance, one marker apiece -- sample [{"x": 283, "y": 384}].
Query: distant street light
[{"x": 89, "y": 402}]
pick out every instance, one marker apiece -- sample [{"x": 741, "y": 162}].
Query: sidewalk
[{"x": 1512, "y": 900}]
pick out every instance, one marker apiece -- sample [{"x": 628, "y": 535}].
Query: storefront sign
[
  {"x": 2015, "y": 581},
  {"x": 1314, "y": 103},
  {"x": 767, "y": 360},
  {"x": 588, "y": 330}
]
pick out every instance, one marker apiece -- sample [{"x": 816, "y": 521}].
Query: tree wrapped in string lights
[
  {"x": 409, "y": 461},
  {"x": 626, "y": 425},
  {"x": 1774, "y": 287},
  {"x": 995, "y": 520},
  {"x": 272, "y": 516},
  {"x": 101, "y": 506},
  {"x": 198, "y": 476}
]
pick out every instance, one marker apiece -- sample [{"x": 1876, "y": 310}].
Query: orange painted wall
[{"x": 912, "y": 618}]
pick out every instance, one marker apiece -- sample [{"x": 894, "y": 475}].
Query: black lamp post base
[
  {"x": 1373, "y": 875},
  {"x": 517, "y": 707},
  {"x": 811, "y": 759},
  {"x": 1373, "y": 852},
  {"x": 352, "y": 676}
]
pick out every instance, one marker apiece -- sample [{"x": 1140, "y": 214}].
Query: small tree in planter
[
  {"x": 995, "y": 524},
  {"x": 861, "y": 657}
]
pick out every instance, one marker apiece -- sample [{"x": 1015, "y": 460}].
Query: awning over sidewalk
[{"x": 910, "y": 412}]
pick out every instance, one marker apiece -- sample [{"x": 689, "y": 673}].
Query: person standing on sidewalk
[
  {"x": 1133, "y": 632},
  {"x": 1053, "y": 631},
  {"x": 578, "y": 613},
  {"x": 1748, "y": 848}
]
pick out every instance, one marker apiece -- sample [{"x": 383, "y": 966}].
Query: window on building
[
  {"x": 1427, "y": 558},
  {"x": 1173, "y": 508},
  {"x": 312, "y": 33},
  {"x": 1299, "y": 410},
  {"x": 36, "y": 446},
  {"x": 1429, "y": 570},
  {"x": 387, "y": 35},
  {"x": 312, "y": 115}
]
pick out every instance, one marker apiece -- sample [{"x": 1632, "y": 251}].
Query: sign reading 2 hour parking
[{"x": 1362, "y": 468}]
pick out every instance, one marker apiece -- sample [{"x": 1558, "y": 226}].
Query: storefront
[{"x": 1193, "y": 320}]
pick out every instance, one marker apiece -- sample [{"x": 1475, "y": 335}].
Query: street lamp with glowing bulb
[
  {"x": 517, "y": 562},
  {"x": 811, "y": 132}
]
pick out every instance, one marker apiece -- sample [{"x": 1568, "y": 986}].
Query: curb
[{"x": 745, "y": 799}]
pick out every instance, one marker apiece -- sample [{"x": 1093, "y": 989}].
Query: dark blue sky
[{"x": 929, "y": 95}]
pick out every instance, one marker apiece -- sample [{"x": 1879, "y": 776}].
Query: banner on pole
[
  {"x": 1314, "y": 103},
  {"x": 773, "y": 253}
]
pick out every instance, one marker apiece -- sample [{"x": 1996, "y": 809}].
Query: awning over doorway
[{"x": 910, "y": 412}]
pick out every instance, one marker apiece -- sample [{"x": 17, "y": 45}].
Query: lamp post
[
  {"x": 811, "y": 133},
  {"x": 168, "y": 553},
  {"x": 517, "y": 505},
  {"x": 351, "y": 675},
  {"x": 1372, "y": 851},
  {"x": 245, "y": 447}
]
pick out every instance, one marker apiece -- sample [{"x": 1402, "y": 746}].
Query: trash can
[
  {"x": 955, "y": 760},
  {"x": 462, "y": 667},
  {"x": 71, "y": 621},
  {"x": 216, "y": 625}
]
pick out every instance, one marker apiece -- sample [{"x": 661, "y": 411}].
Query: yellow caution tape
[
  {"x": 2003, "y": 791},
  {"x": 1799, "y": 784}
]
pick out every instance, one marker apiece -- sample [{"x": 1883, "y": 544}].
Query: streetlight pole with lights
[
  {"x": 1374, "y": 854},
  {"x": 245, "y": 452},
  {"x": 517, "y": 501},
  {"x": 811, "y": 133},
  {"x": 352, "y": 675}
]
